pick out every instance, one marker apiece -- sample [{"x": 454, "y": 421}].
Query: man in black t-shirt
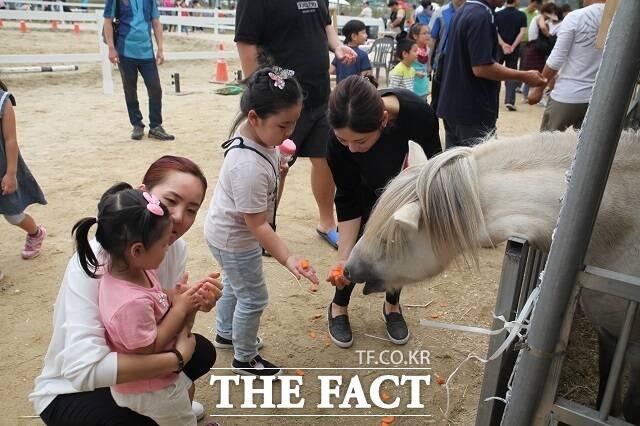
[
  {"x": 512, "y": 26},
  {"x": 297, "y": 35},
  {"x": 468, "y": 100}
]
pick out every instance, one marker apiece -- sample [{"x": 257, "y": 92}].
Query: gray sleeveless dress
[{"x": 28, "y": 191}]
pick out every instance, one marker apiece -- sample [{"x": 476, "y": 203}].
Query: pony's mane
[{"x": 446, "y": 189}]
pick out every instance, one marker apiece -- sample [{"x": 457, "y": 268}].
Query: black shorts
[
  {"x": 311, "y": 134},
  {"x": 97, "y": 408}
]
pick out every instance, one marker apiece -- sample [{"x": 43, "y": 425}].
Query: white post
[
  {"x": 179, "y": 14},
  {"x": 107, "y": 78},
  {"x": 216, "y": 19}
]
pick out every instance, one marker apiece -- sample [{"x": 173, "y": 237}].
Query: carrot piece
[
  {"x": 440, "y": 380},
  {"x": 300, "y": 372},
  {"x": 385, "y": 396},
  {"x": 388, "y": 420},
  {"x": 304, "y": 264},
  {"x": 312, "y": 334},
  {"x": 435, "y": 315}
]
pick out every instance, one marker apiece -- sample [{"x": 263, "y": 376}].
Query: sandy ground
[{"x": 76, "y": 142}]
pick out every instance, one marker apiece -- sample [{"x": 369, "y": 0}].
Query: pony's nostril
[{"x": 345, "y": 272}]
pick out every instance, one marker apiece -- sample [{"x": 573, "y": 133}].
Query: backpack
[
  {"x": 116, "y": 24},
  {"x": 544, "y": 44}
]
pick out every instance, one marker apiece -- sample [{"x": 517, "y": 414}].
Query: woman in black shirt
[{"x": 368, "y": 146}]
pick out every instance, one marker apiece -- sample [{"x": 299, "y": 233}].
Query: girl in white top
[
  {"x": 73, "y": 387},
  {"x": 242, "y": 214}
]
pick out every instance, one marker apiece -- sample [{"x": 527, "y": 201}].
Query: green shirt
[{"x": 530, "y": 16}]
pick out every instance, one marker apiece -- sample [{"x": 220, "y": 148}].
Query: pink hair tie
[{"x": 154, "y": 204}]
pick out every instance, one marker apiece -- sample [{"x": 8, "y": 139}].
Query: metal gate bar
[
  {"x": 597, "y": 147},
  {"x": 618, "y": 359},
  {"x": 521, "y": 268}
]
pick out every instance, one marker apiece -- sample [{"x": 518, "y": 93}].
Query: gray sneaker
[
  {"x": 396, "y": 327},
  {"x": 160, "y": 134},
  {"x": 137, "y": 134},
  {"x": 339, "y": 329}
]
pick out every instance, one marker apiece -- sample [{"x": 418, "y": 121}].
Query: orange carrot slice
[
  {"x": 304, "y": 264},
  {"x": 300, "y": 372},
  {"x": 440, "y": 380},
  {"x": 388, "y": 420},
  {"x": 435, "y": 315},
  {"x": 312, "y": 334},
  {"x": 385, "y": 396}
]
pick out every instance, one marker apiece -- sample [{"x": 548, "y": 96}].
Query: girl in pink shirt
[{"x": 134, "y": 230}]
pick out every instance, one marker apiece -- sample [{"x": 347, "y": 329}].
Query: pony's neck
[{"x": 520, "y": 198}]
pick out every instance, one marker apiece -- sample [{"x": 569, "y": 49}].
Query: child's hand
[
  {"x": 284, "y": 169},
  {"x": 9, "y": 184},
  {"x": 301, "y": 267},
  {"x": 210, "y": 291},
  {"x": 420, "y": 74},
  {"x": 336, "y": 277},
  {"x": 187, "y": 301}
]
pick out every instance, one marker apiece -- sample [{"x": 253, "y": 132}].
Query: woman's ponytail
[{"x": 87, "y": 257}]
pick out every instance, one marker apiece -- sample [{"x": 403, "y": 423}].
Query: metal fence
[{"x": 521, "y": 269}]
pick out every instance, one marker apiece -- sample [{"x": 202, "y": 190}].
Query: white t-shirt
[
  {"x": 366, "y": 12},
  {"x": 247, "y": 183},
  {"x": 534, "y": 29},
  {"x": 575, "y": 55},
  {"x": 78, "y": 358}
]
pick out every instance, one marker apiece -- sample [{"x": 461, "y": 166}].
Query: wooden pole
[{"x": 609, "y": 10}]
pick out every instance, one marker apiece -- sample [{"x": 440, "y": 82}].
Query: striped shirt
[{"x": 402, "y": 76}]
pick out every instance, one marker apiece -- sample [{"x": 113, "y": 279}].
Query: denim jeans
[
  {"x": 129, "y": 69},
  {"x": 511, "y": 61},
  {"x": 467, "y": 134},
  {"x": 244, "y": 297}
]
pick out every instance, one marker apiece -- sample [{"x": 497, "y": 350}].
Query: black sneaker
[
  {"x": 340, "y": 330},
  {"x": 396, "y": 327},
  {"x": 222, "y": 343},
  {"x": 256, "y": 367},
  {"x": 160, "y": 134},
  {"x": 137, "y": 134}
]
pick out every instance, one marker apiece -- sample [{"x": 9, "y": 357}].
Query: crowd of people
[{"x": 122, "y": 350}]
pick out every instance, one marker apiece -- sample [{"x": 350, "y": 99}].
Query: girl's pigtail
[{"x": 87, "y": 257}]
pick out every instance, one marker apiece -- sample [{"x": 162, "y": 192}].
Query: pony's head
[{"x": 427, "y": 216}]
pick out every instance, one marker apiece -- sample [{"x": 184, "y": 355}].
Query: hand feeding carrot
[{"x": 336, "y": 273}]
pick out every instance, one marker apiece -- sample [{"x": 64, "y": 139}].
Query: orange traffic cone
[
  {"x": 54, "y": 25},
  {"x": 76, "y": 28},
  {"x": 23, "y": 27},
  {"x": 222, "y": 69}
]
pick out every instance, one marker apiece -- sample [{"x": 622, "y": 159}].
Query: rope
[{"x": 513, "y": 327}]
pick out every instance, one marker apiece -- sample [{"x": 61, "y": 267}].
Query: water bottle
[{"x": 287, "y": 151}]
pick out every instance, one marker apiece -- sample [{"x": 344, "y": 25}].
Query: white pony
[{"x": 444, "y": 209}]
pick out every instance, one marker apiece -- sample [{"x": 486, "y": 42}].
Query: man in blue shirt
[
  {"x": 439, "y": 24},
  {"x": 512, "y": 26},
  {"x": 132, "y": 49},
  {"x": 468, "y": 100}
]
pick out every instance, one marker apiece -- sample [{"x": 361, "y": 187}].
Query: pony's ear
[
  {"x": 417, "y": 157},
  {"x": 408, "y": 215}
]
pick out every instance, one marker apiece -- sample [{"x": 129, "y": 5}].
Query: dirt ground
[{"x": 76, "y": 142}]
